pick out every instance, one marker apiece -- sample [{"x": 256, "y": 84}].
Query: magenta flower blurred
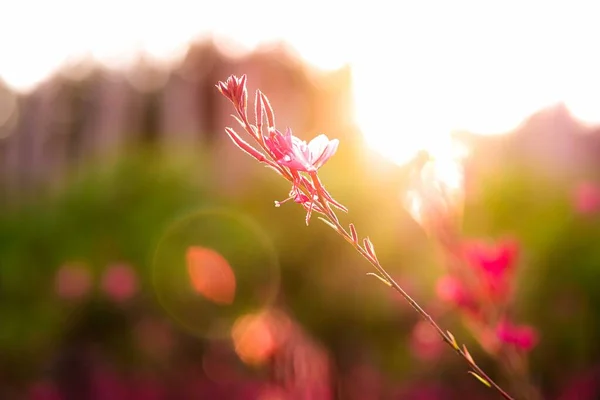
[
  {"x": 494, "y": 262},
  {"x": 120, "y": 282},
  {"x": 296, "y": 154},
  {"x": 523, "y": 337},
  {"x": 586, "y": 198},
  {"x": 107, "y": 384},
  {"x": 425, "y": 342},
  {"x": 72, "y": 281},
  {"x": 582, "y": 386},
  {"x": 494, "y": 259},
  {"x": 452, "y": 290}
]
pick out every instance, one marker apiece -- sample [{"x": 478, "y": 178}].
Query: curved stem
[{"x": 394, "y": 285}]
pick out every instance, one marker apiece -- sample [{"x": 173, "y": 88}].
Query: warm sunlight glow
[
  {"x": 436, "y": 190},
  {"x": 420, "y": 69},
  {"x": 472, "y": 66}
]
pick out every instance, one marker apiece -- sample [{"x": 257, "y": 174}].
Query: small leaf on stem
[
  {"x": 453, "y": 340},
  {"x": 244, "y": 146},
  {"x": 480, "y": 379},
  {"x": 380, "y": 278},
  {"x": 468, "y": 355},
  {"x": 258, "y": 110},
  {"x": 269, "y": 111},
  {"x": 369, "y": 248},
  {"x": 353, "y": 233},
  {"x": 328, "y": 223},
  {"x": 239, "y": 121}
]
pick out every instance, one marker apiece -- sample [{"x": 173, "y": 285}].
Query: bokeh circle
[{"x": 212, "y": 267}]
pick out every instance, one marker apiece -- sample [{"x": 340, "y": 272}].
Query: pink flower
[
  {"x": 523, "y": 336},
  {"x": 425, "y": 343},
  {"x": 494, "y": 259},
  {"x": 296, "y": 154},
  {"x": 119, "y": 282},
  {"x": 586, "y": 198},
  {"x": 452, "y": 290},
  {"x": 234, "y": 89},
  {"x": 494, "y": 262}
]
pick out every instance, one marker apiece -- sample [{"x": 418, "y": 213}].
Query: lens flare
[
  {"x": 257, "y": 336},
  {"x": 212, "y": 267},
  {"x": 211, "y": 275}
]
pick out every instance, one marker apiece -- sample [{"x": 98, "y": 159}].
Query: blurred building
[{"x": 87, "y": 110}]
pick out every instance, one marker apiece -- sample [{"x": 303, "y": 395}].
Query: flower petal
[{"x": 327, "y": 153}]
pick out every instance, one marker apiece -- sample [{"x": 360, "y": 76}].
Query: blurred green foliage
[{"x": 119, "y": 210}]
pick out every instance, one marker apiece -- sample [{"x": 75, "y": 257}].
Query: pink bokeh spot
[
  {"x": 494, "y": 263},
  {"x": 495, "y": 259},
  {"x": 523, "y": 337},
  {"x": 425, "y": 342},
  {"x": 119, "y": 282},
  {"x": 72, "y": 281},
  {"x": 586, "y": 198},
  {"x": 451, "y": 290}
]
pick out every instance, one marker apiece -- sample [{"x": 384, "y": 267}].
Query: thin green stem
[{"x": 394, "y": 285}]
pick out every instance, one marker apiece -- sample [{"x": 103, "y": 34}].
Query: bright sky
[{"x": 420, "y": 68}]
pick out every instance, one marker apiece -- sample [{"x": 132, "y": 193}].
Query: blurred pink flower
[
  {"x": 452, "y": 290},
  {"x": 119, "y": 282},
  {"x": 148, "y": 388},
  {"x": 362, "y": 381},
  {"x": 421, "y": 391},
  {"x": 272, "y": 392},
  {"x": 524, "y": 337},
  {"x": 495, "y": 262},
  {"x": 583, "y": 386},
  {"x": 106, "y": 384},
  {"x": 296, "y": 154},
  {"x": 72, "y": 281},
  {"x": 43, "y": 391},
  {"x": 586, "y": 198},
  {"x": 435, "y": 196},
  {"x": 425, "y": 342},
  {"x": 495, "y": 259}
]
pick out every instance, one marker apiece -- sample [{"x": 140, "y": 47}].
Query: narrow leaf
[
  {"x": 242, "y": 123},
  {"x": 480, "y": 379},
  {"x": 269, "y": 111},
  {"x": 454, "y": 343},
  {"x": 258, "y": 109},
  {"x": 353, "y": 233},
  {"x": 369, "y": 247},
  {"x": 243, "y": 96},
  {"x": 380, "y": 278},
  {"x": 328, "y": 223},
  {"x": 468, "y": 355},
  {"x": 244, "y": 146}
]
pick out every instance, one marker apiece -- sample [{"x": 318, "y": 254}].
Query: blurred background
[{"x": 119, "y": 188}]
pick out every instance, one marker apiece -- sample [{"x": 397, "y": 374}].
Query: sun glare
[{"x": 420, "y": 70}]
